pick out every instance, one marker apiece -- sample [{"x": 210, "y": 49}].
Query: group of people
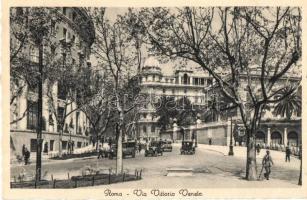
[{"x": 25, "y": 154}]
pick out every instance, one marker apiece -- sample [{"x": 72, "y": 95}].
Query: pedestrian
[
  {"x": 267, "y": 162},
  {"x": 26, "y": 156},
  {"x": 100, "y": 152},
  {"x": 23, "y": 150},
  {"x": 258, "y": 149},
  {"x": 210, "y": 141},
  {"x": 288, "y": 153}
]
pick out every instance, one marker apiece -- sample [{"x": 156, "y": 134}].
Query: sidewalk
[{"x": 240, "y": 152}]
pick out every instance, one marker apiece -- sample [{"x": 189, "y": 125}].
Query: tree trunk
[
  {"x": 97, "y": 141},
  {"x": 119, "y": 157},
  {"x": 60, "y": 142},
  {"x": 251, "y": 165}
]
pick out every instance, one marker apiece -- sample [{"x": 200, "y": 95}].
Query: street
[{"x": 211, "y": 168}]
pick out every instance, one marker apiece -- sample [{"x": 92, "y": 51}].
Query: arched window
[
  {"x": 260, "y": 137},
  {"x": 292, "y": 139},
  {"x": 185, "y": 79},
  {"x": 276, "y": 138}
]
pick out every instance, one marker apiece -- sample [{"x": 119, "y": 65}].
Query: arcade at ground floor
[{"x": 275, "y": 134}]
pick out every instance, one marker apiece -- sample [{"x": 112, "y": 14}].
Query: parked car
[
  {"x": 187, "y": 147},
  {"x": 167, "y": 145},
  {"x": 128, "y": 150},
  {"x": 154, "y": 149}
]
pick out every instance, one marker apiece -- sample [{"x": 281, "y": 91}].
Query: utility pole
[{"x": 39, "y": 114}]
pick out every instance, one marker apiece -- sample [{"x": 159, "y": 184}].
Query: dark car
[
  {"x": 167, "y": 145},
  {"x": 154, "y": 149},
  {"x": 187, "y": 147},
  {"x": 128, "y": 150}
]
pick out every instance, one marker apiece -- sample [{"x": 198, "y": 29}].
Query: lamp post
[
  {"x": 71, "y": 129},
  {"x": 230, "y": 153},
  {"x": 198, "y": 122}
]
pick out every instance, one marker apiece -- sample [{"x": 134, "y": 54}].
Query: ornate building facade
[{"x": 200, "y": 88}]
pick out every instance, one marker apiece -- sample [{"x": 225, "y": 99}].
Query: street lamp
[
  {"x": 230, "y": 153},
  {"x": 71, "y": 129},
  {"x": 198, "y": 122}
]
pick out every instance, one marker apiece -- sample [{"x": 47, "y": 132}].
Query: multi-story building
[
  {"x": 182, "y": 83},
  {"x": 200, "y": 88},
  {"x": 76, "y": 29}
]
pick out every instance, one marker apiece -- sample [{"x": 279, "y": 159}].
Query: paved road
[{"x": 211, "y": 169}]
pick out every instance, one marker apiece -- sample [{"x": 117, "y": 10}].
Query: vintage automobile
[
  {"x": 128, "y": 150},
  {"x": 154, "y": 149},
  {"x": 167, "y": 145},
  {"x": 187, "y": 147}
]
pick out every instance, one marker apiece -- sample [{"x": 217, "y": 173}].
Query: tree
[
  {"x": 29, "y": 27},
  {"x": 168, "y": 109},
  {"x": 228, "y": 43},
  {"x": 289, "y": 105},
  {"x": 98, "y": 110},
  {"x": 116, "y": 53}
]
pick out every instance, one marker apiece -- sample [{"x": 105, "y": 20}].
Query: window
[
  {"x": 173, "y": 91},
  {"x": 64, "y": 145},
  {"x": 51, "y": 145},
  {"x": 195, "y": 81},
  {"x": 144, "y": 115},
  {"x": 144, "y": 129},
  {"x": 153, "y": 78},
  {"x": 185, "y": 79},
  {"x": 64, "y": 10},
  {"x": 64, "y": 33},
  {"x": 79, "y": 144},
  {"x": 61, "y": 91},
  {"x": 202, "y": 81},
  {"x": 32, "y": 115},
  {"x": 153, "y": 128},
  {"x": 74, "y": 16},
  {"x": 163, "y": 91},
  {"x": 33, "y": 145},
  {"x": 19, "y": 11}
]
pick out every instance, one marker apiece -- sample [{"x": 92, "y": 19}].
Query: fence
[{"x": 84, "y": 180}]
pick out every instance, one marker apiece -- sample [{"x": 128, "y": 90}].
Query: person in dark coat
[
  {"x": 23, "y": 150},
  {"x": 258, "y": 149},
  {"x": 27, "y": 156},
  {"x": 100, "y": 152},
  {"x": 267, "y": 162},
  {"x": 288, "y": 153}
]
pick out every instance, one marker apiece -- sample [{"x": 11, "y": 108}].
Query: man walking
[
  {"x": 267, "y": 162},
  {"x": 27, "y": 156},
  {"x": 100, "y": 152},
  {"x": 288, "y": 153}
]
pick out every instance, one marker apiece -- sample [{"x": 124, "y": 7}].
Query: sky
[{"x": 167, "y": 68}]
